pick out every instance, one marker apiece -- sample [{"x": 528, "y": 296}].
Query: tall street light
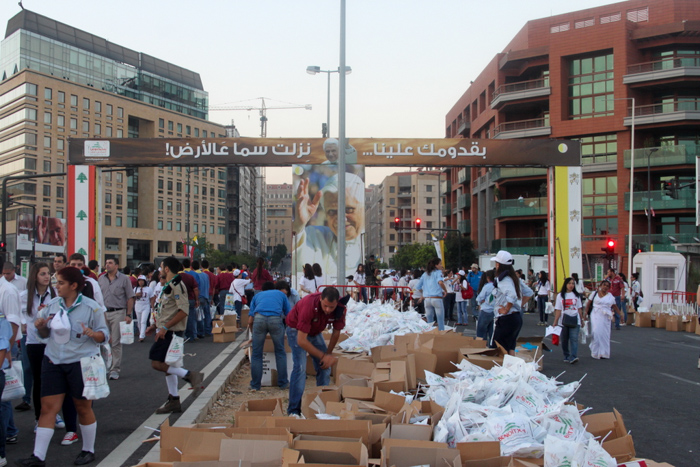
[
  {"x": 649, "y": 153},
  {"x": 312, "y": 70}
]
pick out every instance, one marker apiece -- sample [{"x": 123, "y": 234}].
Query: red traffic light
[
  {"x": 611, "y": 243},
  {"x": 418, "y": 221},
  {"x": 397, "y": 223}
]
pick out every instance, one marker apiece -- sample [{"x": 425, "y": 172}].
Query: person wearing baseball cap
[
  {"x": 474, "y": 279},
  {"x": 506, "y": 297},
  {"x": 238, "y": 290}
]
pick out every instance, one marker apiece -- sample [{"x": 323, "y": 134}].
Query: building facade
[
  {"x": 59, "y": 82},
  {"x": 278, "y": 208},
  {"x": 590, "y": 76},
  {"x": 407, "y": 196}
]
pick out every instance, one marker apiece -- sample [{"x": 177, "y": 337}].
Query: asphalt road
[
  {"x": 651, "y": 379},
  {"x": 138, "y": 392}
]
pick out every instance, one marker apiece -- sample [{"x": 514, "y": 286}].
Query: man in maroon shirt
[
  {"x": 223, "y": 283},
  {"x": 616, "y": 286},
  {"x": 305, "y": 323},
  {"x": 193, "y": 297}
]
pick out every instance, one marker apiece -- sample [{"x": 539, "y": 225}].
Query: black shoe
[
  {"x": 23, "y": 407},
  {"x": 85, "y": 457},
  {"x": 11, "y": 440},
  {"x": 172, "y": 406},
  {"x": 195, "y": 379},
  {"x": 32, "y": 461}
]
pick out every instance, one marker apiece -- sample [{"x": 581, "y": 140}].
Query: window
[
  {"x": 178, "y": 226},
  {"x": 429, "y": 188},
  {"x": 221, "y": 230},
  {"x": 86, "y": 126},
  {"x": 599, "y": 206},
  {"x": 161, "y": 123},
  {"x": 392, "y": 201},
  {"x": 119, "y": 200},
  {"x": 74, "y": 100},
  {"x": 637, "y": 16},
  {"x": 86, "y": 103},
  {"x": 47, "y": 166},
  {"x": 169, "y": 225},
  {"x": 73, "y": 123},
  {"x": 98, "y": 106},
  {"x": 47, "y": 93},
  {"x": 665, "y": 278},
  {"x": 163, "y": 247},
  {"x": 179, "y": 127},
  {"x": 196, "y": 132},
  {"x": 61, "y": 120},
  {"x": 108, "y": 220},
  {"x": 120, "y": 112},
  {"x": 60, "y": 145},
  {"x": 429, "y": 200},
  {"x": 584, "y": 23},
  {"x": 109, "y": 109},
  {"x": 611, "y": 18},
  {"x": 188, "y": 130},
  {"x": 211, "y": 229},
  {"x": 160, "y": 225},
  {"x": 204, "y": 133},
  {"x": 428, "y": 212},
  {"x": 47, "y": 117},
  {"x": 120, "y": 133},
  {"x": 160, "y": 203},
  {"x": 392, "y": 237},
  {"x": 196, "y": 228},
  {"x": 47, "y": 190},
  {"x": 392, "y": 189},
  {"x": 61, "y": 97},
  {"x": 599, "y": 149},
  {"x": 108, "y": 131},
  {"x": 108, "y": 198},
  {"x": 429, "y": 224},
  {"x": 47, "y": 142},
  {"x": 98, "y": 129},
  {"x": 560, "y": 27},
  {"x": 60, "y": 193},
  {"x": 170, "y": 125},
  {"x": 591, "y": 87}
]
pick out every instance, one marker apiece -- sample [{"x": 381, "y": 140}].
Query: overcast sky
[{"x": 411, "y": 60}]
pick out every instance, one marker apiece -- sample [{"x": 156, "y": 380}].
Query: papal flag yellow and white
[
  {"x": 565, "y": 215},
  {"x": 439, "y": 248}
]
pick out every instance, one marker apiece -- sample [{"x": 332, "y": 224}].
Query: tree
[
  {"x": 452, "y": 251},
  {"x": 278, "y": 254},
  {"x": 413, "y": 256}
]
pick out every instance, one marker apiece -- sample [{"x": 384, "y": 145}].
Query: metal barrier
[{"x": 682, "y": 303}]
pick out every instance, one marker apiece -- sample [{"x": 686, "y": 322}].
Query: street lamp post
[
  {"x": 188, "y": 207},
  {"x": 651, "y": 151},
  {"x": 312, "y": 70}
]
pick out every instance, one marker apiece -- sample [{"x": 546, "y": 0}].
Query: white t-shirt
[
  {"x": 416, "y": 293},
  {"x": 237, "y": 288},
  {"x": 157, "y": 289},
  {"x": 544, "y": 288},
  {"x": 308, "y": 284},
  {"x": 144, "y": 303},
  {"x": 449, "y": 284},
  {"x": 458, "y": 289},
  {"x": 570, "y": 305}
]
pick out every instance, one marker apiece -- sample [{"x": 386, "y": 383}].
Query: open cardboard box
[
  {"x": 224, "y": 332},
  {"x": 660, "y": 321},
  {"x": 259, "y": 453},
  {"x": 486, "y": 358},
  {"x": 326, "y": 450},
  {"x": 408, "y": 456},
  {"x": 443, "y": 346},
  {"x": 600, "y": 424},
  {"x": 622, "y": 449}
]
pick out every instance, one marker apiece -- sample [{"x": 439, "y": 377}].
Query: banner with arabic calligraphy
[{"x": 290, "y": 151}]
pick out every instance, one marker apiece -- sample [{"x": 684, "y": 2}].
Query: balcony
[
  {"x": 502, "y": 173},
  {"x": 660, "y": 242},
  {"x": 660, "y": 201},
  {"x": 663, "y": 156},
  {"x": 464, "y": 226},
  {"x": 404, "y": 194},
  {"x": 523, "y": 129},
  {"x": 521, "y": 246},
  {"x": 676, "y": 67},
  {"x": 463, "y": 176},
  {"x": 526, "y": 207},
  {"x": 522, "y": 90},
  {"x": 445, "y": 187},
  {"x": 446, "y": 210},
  {"x": 682, "y": 109},
  {"x": 464, "y": 201}
]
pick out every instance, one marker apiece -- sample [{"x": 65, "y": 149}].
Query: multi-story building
[
  {"x": 407, "y": 196},
  {"x": 590, "y": 75},
  {"x": 278, "y": 208},
  {"x": 59, "y": 82}
]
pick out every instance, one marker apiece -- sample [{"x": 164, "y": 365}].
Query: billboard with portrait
[
  {"x": 315, "y": 219},
  {"x": 50, "y": 232}
]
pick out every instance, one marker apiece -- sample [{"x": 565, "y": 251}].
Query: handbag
[
  {"x": 468, "y": 292},
  {"x": 95, "y": 385},
  {"x": 14, "y": 382},
  {"x": 176, "y": 352},
  {"x": 127, "y": 332},
  {"x": 244, "y": 299},
  {"x": 569, "y": 321}
]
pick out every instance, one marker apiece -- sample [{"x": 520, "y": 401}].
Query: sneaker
[
  {"x": 31, "y": 461},
  {"x": 298, "y": 416},
  {"x": 85, "y": 457},
  {"x": 23, "y": 407},
  {"x": 69, "y": 439},
  {"x": 566, "y": 360},
  {"x": 3, "y": 462},
  {"x": 623, "y": 324},
  {"x": 172, "y": 406},
  {"x": 195, "y": 379},
  {"x": 11, "y": 440},
  {"x": 114, "y": 376},
  {"x": 59, "y": 422},
  {"x": 284, "y": 386},
  {"x": 574, "y": 360}
]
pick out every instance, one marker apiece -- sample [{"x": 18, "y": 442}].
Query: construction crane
[{"x": 262, "y": 109}]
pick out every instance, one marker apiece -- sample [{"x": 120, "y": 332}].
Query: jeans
[
  {"x": 435, "y": 307},
  {"x": 569, "y": 335},
  {"x": 462, "y": 313},
  {"x": 618, "y": 302},
  {"x": 261, "y": 326},
  {"x": 3, "y": 408},
  {"x": 191, "y": 330},
  {"x": 541, "y": 306},
  {"x": 8, "y": 420},
  {"x": 473, "y": 307},
  {"x": 222, "y": 302},
  {"x": 624, "y": 313},
  {"x": 448, "y": 302},
  {"x": 484, "y": 327},
  {"x": 204, "y": 326},
  {"x": 27, "y": 372},
  {"x": 363, "y": 294},
  {"x": 298, "y": 380}
]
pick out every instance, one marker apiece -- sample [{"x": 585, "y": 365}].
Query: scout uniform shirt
[{"x": 170, "y": 303}]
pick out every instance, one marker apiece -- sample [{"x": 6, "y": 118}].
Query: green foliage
[
  {"x": 218, "y": 257},
  {"x": 278, "y": 254},
  {"x": 413, "y": 256},
  {"x": 417, "y": 255},
  {"x": 452, "y": 251}
]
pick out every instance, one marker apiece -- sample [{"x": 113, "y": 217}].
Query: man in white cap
[
  {"x": 474, "y": 279},
  {"x": 238, "y": 290},
  {"x": 319, "y": 244}
]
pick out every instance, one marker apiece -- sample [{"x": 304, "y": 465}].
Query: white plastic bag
[
  {"x": 176, "y": 352},
  {"x": 549, "y": 308},
  {"x": 94, "y": 378},
  {"x": 14, "y": 382},
  {"x": 200, "y": 313},
  {"x": 127, "y": 332},
  {"x": 106, "y": 352},
  {"x": 583, "y": 334},
  {"x": 229, "y": 305}
]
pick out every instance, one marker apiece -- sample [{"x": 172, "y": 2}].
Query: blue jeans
[
  {"x": 618, "y": 302},
  {"x": 541, "y": 306},
  {"x": 222, "y": 302},
  {"x": 435, "y": 307},
  {"x": 3, "y": 408},
  {"x": 298, "y": 380},
  {"x": 462, "y": 313},
  {"x": 191, "y": 330},
  {"x": 27, "y": 369},
  {"x": 569, "y": 335},
  {"x": 624, "y": 311},
  {"x": 204, "y": 326},
  {"x": 261, "y": 326},
  {"x": 484, "y": 327},
  {"x": 473, "y": 307}
]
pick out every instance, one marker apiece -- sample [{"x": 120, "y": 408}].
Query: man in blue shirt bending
[{"x": 267, "y": 311}]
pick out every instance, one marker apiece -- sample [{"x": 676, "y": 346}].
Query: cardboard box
[
  {"x": 258, "y": 453},
  {"x": 674, "y": 323},
  {"x": 409, "y": 432},
  {"x": 531, "y": 349},
  {"x": 269, "y": 376},
  {"x": 600, "y": 424},
  {"x": 443, "y": 346},
  {"x": 644, "y": 320},
  {"x": 697, "y": 325},
  {"x": 324, "y": 450},
  {"x": 258, "y": 409},
  {"x": 405, "y": 456},
  {"x": 622, "y": 448},
  {"x": 660, "y": 321},
  {"x": 630, "y": 317},
  {"x": 484, "y": 357},
  {"x": 222, "y": 332},
  {"x": 691, "y": 324}
]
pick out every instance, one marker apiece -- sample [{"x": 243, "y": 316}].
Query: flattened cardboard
[
  {"x": 202, "y": 446},
  {"x": 391, "y": 403},
  {"x": 357, "y": 392}
]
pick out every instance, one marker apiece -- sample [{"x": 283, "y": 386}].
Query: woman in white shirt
[
  {"x": 416, "y": 294},
  {"x": 461, "y": 283},
  {"x": 600, "y": 309},
  {"x": 142, "y": 294},
  {"x": 360, "y": 279},
  {"x": 319, "y": 277},
  {"x": 543, "y": 288},
  {"x": 307, "y": 283},
  {"x": 238, "y": 290},
  {"x": 568, "y": 313}
]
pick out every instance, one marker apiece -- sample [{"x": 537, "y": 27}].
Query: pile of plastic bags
[
  {"x": 376, "y": 324},
  {"x": 520, "y": 407}
]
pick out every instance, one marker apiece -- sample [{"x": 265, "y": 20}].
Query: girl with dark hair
[
  {"x": 307, "y": 284},
  {"x": 360, "y": 279},
  {"x": 543, "y": 288},
  {"x": 569, "y": 309},
  {"x": 260, "y": 275},
  {"x": 601, "y": 308},
  {"x": 38, "y": 294},
  {"x": 416, "y": 295},
  {"x": 462, "y": 312},
  {"x": 318, "y": 277},
  {"x": 433, "y": 287},
  {"x": 74, "y": 326},
  {"x": 506, "y": 295}
]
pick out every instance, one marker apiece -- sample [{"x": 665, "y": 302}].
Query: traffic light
[
  {"x": 10, "y": 201},
  {"x": 609, "y": 248},
  {"x": 670, "y": 189},
  {"x": 3, "y": 247},
  {"x": 418, "y": 221},
  {"x": 397, "y": 222}
]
